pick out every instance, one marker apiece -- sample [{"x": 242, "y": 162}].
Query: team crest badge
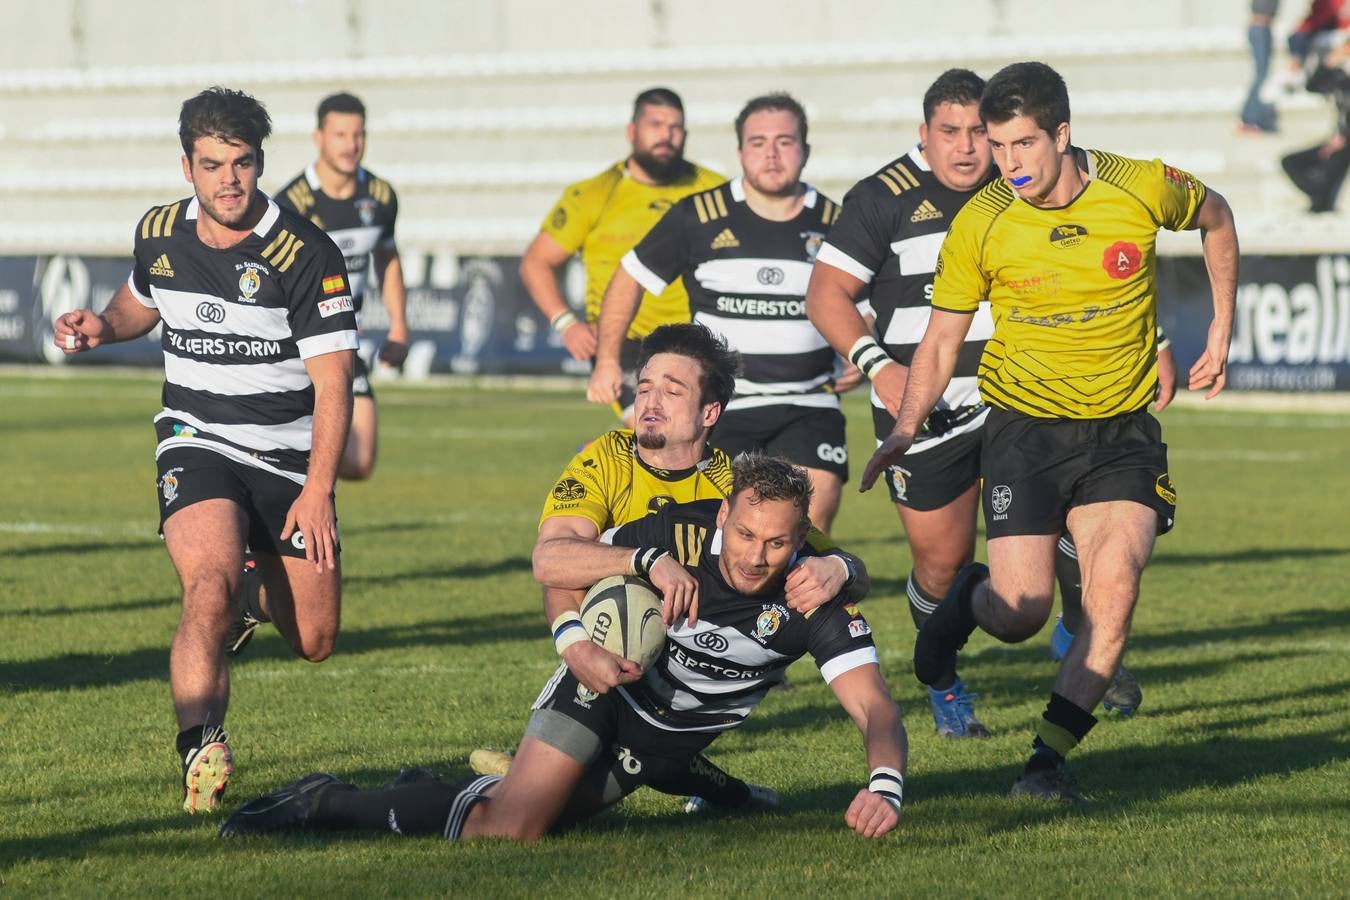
[
  {"x": 768, "y": 623},
  {"x": 813, "y": 241},
  {"x": 365, "y": 208},
  {"x": 168, "y": 485},
  {"x": 898, "y": 483},
  {"x": 249, "y": 282},
  {"x": 585, "y": 696}
]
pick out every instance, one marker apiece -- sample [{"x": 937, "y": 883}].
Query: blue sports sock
[{"x": 1060, "y": 639}]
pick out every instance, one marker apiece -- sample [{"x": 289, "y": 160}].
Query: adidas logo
[
  {"x": 162, "y": 267},
  {"x": 724, "y": 240},
  {"x": 926, "y": 212}
]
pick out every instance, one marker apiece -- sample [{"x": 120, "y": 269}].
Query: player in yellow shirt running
[
  {"x": 1062, "y": 247},
  {"x": 604, "y": 217}
]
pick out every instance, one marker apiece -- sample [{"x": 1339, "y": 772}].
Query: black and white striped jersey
[
  {"x": 237, "y": 326},
  {"x": 888, "y": 236},
  {"x": 359, "y": 225},
  {"x": 746, "y": 278},
  {"x": 710, "y": 676}
]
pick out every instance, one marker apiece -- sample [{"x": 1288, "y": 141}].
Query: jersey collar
[
  {"x": 916, "y": 156},
  {"x": 312, "y": 176},
  {"x": 264, "y": 225}
]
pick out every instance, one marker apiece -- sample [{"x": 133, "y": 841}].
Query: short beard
[
  {"x": 661, "y": 170},
  {"x": 648, "y": 441}
]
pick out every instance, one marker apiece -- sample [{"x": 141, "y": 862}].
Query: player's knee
[
  {"x": 315, "y": 645},
  {"x": 1023, "y": 619},
  {"x": 208, "y": 595}
]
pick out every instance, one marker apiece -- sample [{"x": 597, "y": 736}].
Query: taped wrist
[
  {"x": 563, "y": 321},
  {"x": 867, "y": 355},
  {"x": 568, "y": 630},
  {"x": 890, "y": 784},
  {"x": 643, "y": 559}
]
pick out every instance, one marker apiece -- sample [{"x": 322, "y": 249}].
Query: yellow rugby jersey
[
  {"x": 1073, "y": 290},
  {"x": 604, "y": 217},
  {"x": 607, "y": 483}
]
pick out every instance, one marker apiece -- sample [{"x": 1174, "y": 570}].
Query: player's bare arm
[
  {"x": 568, "y": 555},
  {"x": 313, "y": 513},
  {"x": 617, "y": 309},
  {"x": 124, "y": 318},
  {"x": 934, "y": 362},
  {"x": 862, "y": 693},
  {"x": 1218, "y": 235},
  {"x": 395, "y": 297},
  {"x": 831, "y": 299},
  {"x": 1167, "y": 378},
  {"x": 539, "y": 271},
  {"x": 817, "y": 580}
]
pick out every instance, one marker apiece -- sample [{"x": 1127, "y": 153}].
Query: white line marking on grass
[
  {"x": 144, "y": 530},
  {"x": 251, "y": 673},
  {"x": 1263, "y": 456},
  {"x": 452, "y": 433},
  {"x": 1254, "y": 419}
]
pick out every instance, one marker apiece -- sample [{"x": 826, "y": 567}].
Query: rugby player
[
  {"x": 744, "y": 251},
  {"x": 259, "y": 337},
  {"x": 1069, "y": 374},
  {"x": 358, "y": 211},
  {"x": 583, "y": 751},
  {"x": 602, "y": 218},
  {"x": 686, "y": 378},
  {"x": 885, "y": 246}
]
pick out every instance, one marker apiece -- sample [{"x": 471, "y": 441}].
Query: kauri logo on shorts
[{"x": 1000, "y": 498}]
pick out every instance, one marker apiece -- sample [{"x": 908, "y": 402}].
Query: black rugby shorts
[{"x": 809, "y": 436}]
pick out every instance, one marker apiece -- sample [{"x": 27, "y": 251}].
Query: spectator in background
[
  {"x": 1257, "y": 115},
  {"x": 1320, "y": 171}
]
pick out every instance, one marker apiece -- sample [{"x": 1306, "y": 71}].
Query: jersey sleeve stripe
[
  {"x": 319, "y": 344},
  {"x": 721, "y": 203},
  {"x": 831, "y": 255},
  {"x": 650, "y": 281},
  {"x": 847, "y": 662},
  {"x": 890, "y": 183},
  {"x": 699, "y": 208}
]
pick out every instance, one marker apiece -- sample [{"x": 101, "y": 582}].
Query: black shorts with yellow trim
[
  {"x": 1035, "y": 470},
  {"x": 620, "y": 750},
  {"x": 189, "y": 475},
  {"x": 809, "y": 436},
  {"x": 929, "y": 478}
]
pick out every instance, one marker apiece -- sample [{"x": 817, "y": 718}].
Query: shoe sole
[
  {"x": 207, "y": 778},
  {"x": 239, "y": 643},
  {"x": 490, "y": 762}
]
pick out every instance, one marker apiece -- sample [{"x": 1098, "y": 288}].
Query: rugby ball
[{"x": 623, "y": 615}]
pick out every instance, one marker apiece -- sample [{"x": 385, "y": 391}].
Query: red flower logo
[{"x": 1122, "y": 259}]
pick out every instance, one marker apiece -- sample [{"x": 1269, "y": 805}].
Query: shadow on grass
[
  {"x": 509, "y": 565},
  {"x": 67, "y": 611},
  {"x": 80, "y": 670},
  {"x": 1250, "y": 555},
  {"x": 83, "y": 548}
]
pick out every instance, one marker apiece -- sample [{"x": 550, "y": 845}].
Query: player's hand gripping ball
[{"x": 623, "y": 614}]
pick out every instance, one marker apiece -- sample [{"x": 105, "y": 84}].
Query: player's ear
[
  {"x": 1062, "y": 137},
  {"x": 722, "y": 512},
  {"x": 260, "y": 161},
  {"x": 187, "y": 168},
  {"x": 711, "y": 413},
  {"x": 923, "y": 135},
  {"x": 631, "y": 131}
]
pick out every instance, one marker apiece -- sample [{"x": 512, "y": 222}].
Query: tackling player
[
  {"x": 885, "y": 246},
  {"x": 1069, "y": 372},
  {"x": 686, "y": 378},
  {"x": 603, "y": 217},
  {"x": 582, "y": 752},
  {"x": 259, "y": 338},
  {"x": 744, "y": 251},
  {"x": 358, "y": 211}
]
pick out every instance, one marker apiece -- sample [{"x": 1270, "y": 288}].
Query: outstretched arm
[
  {"x": 539, "y": 271},
  {"x": 124, "y": 318},
  {"x": 1218, "y": 234},
  {"x": 934, "y": 362},
  {"x": 862, "y": 693},
  {"x": 620, "y": 304}
]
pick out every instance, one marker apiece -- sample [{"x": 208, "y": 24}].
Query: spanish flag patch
[{"x": 334, "y": 284}]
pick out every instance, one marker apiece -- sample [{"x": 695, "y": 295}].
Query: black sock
[
  {"x": 1070, "y": 578},
  {"x": 703, "y": 779},
  {"x": 1062, "y": 726},
  {"x": 921, "y": 606},
  {"x": 189, "y": 739},
  {"x": 949, "y": 627},
  {"x": 420, "y": 808}
]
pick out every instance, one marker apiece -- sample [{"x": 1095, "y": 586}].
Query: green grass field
[{"x": 1234, "y": 778}]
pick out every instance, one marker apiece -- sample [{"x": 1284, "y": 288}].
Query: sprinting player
[
  {"x": 687, "y": 375},
  {"x": 582, "y": 751},
  {"x": 259, "y": 338},
  {"x": 1069, "y": 373},
  {"x": 358, "y": 211},
  {"x": 885, "y": 245},
  {"x": 744, "y": 251},
  {"x": 603, "y": 217}
]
